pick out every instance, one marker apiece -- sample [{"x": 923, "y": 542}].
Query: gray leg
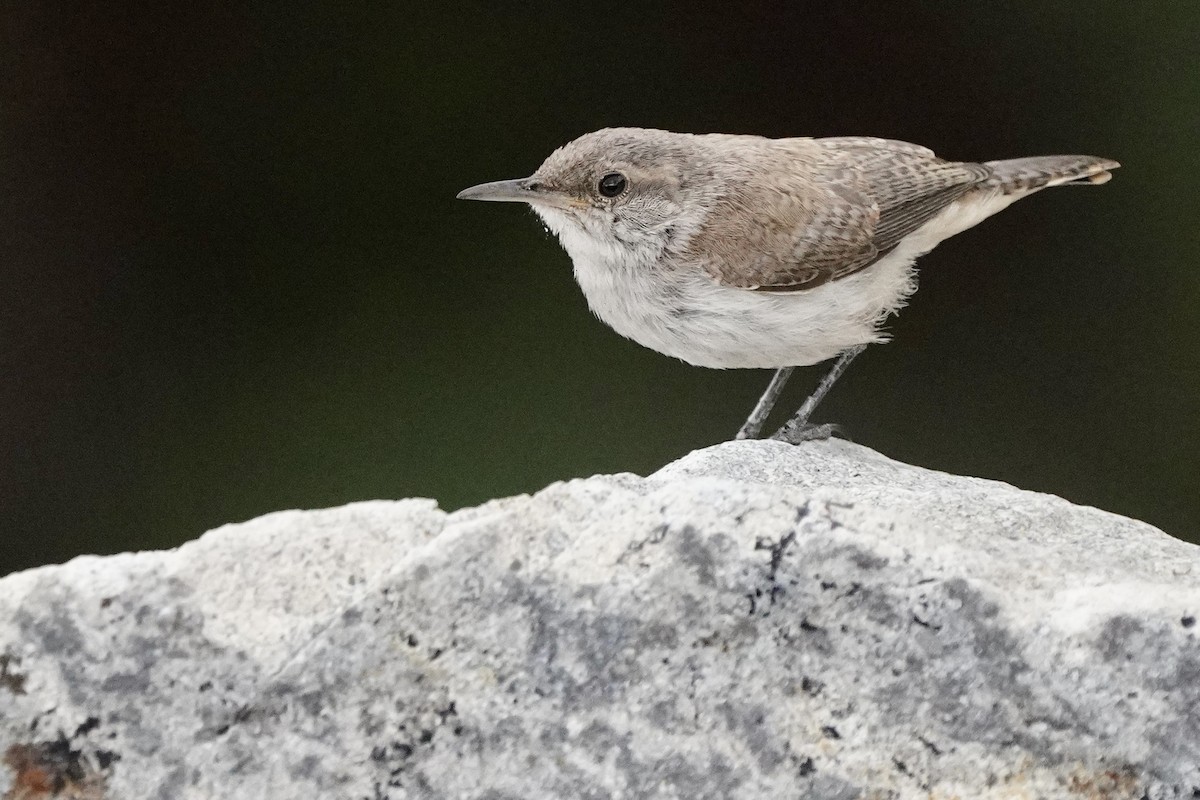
[
  {"x": 753, "y": 425},
  {"x": 797, "y": 429}
]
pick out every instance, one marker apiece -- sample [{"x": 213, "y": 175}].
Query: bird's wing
[{"x": 830, "y": 208}]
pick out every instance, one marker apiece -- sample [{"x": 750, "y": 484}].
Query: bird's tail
[{"x": 1031, "y": 174}]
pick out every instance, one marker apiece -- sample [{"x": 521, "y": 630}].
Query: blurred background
[{"x": 234, "y": 277}]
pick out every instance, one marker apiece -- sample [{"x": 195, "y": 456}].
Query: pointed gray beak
[{"x": 522, "y": 190}]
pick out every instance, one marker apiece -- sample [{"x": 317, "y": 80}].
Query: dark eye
[{"x": 612, "y": 184}]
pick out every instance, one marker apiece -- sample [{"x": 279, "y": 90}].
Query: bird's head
[{"x": 615, "y": 193}]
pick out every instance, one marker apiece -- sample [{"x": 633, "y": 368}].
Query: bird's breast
[
  {"x": 637, "y": 300},
  {"x": 678, "y": 310}
]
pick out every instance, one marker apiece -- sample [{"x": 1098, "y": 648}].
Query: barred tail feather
[{"x": 1031, "y": 174}]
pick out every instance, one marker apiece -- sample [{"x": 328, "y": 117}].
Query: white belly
[
  {"x": 709, "y": 325},
  {"x": 687, "y": 315}
]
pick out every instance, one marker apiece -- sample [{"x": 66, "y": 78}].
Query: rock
[{"x": 755, "y": 620}]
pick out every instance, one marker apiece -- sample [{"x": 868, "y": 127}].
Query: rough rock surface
[{"x": 755, "y": 620}]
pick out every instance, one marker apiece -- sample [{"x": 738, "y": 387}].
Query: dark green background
[{"x": 235, "y": 278}]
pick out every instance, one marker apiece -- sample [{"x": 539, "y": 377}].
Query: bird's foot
[
  {"x": 807, "y": 432},
  {"x": 748, "y": 431}
]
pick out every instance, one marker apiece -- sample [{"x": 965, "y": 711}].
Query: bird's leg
[
  {"x": 797, "y": 429},
  {"x": 753, "y": 425}
]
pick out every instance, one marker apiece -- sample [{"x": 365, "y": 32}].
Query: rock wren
[{"x": 742, "y": 251}]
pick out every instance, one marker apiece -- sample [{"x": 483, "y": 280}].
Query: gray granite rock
[{"x": 755, "y": 620}]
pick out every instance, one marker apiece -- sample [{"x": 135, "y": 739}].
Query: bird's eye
[{"x": 612, "y": 184}]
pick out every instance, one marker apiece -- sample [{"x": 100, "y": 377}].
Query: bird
[{"x": 746, "y": 252}]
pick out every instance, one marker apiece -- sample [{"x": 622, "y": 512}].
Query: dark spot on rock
[
  {"x": 806, "y": 768},
  {"x": 241, "y": 715},
  {"x": 807, "y": 626},
  {"x": 351, "y": 615},
  {"x": 312, "y": 702},
  {"x": 694, "y": 551},
  {"x": 865, "y": 560},
  {"x": 495, "y": 794},
  {"x": 9, "y": 678},
  {"x": 830, "y": 732},
  {"x": 1119, "y": 638},
  {"x": 411, "y": 640},
  {"x": 811, "y": 687},
  {"x": 1188, "y": 622},
  {"x": 924, "y": 624},
  {"x": 90, "y": 724},
  {"x": 306, "y": 767},
  {"x": 133, "y": 683},
  {"x": 900, "y": 765},
  {"x": 972, "y": 603},
  {"x": 656, "y": 536},
  {"x": 777, "y": 551},
  {"x": 54, "y": 630},
  {"x": 749, "y": 723},
  {"x": 930, "y": 746}
]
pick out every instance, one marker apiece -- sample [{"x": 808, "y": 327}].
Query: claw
[{"x": 806, "y": 433}]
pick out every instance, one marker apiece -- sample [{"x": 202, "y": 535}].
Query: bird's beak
[{"x": 522, "y": 190}]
